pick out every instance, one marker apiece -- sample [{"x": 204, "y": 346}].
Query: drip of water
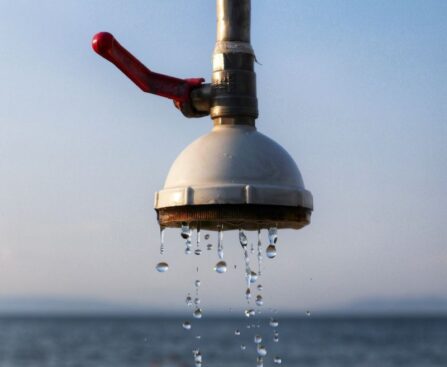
[
  {"x": 259, "y": 252},
  {"x": 237, "y": 332},
  {"x": 220, "y": 249},
  {"x": 197, "y": 301},
  {"x": 162, "y": 267},
  {"x": 186, "y": 231},
  {"x": 197, "y": 251},
  {"x": 186, "y": 325},
  {"x": 259, "y": 362},
  {"x": 257, "y": 339},
  {"x": 277, "y": 360},
  {"x": 207, "y": 236},
  {"x": 253, "y": 277},
  {"x": 274, "y": 322},
  {"x": 221, "y": 267},
  {"x": 188, "y": 300},
  {"x": 197, "y": 283},
  {"x": 250, "y": 312},
  {"x": 275, "y": 336},
  {"x": 243, "y": 238},
  {"x": 162, "y": 240},
  {"x": 197, "y": 313},
  {"x": 271, "y": 251},
  {"x": 243, "y": 347},
  {"x": 307, "y": 313},
  {"x": 247, "y": 268},
  {"x": 259, "y": 300},
  {"x": 259, "y": 287},
  {"x": 273, "y": 235},
  {"x": 209, "y": 247},
  {"x": 247, "y": 294},
  {"x": 262, "y": 352}
]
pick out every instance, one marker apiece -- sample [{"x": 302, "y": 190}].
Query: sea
[{"x": 137, "y": 341}]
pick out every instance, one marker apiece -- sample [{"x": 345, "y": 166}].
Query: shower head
[{"x": 233, "y": 177}]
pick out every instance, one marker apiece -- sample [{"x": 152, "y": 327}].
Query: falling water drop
[
  {"x": 261, "y": 350},
  {"x": 209, "y": 246},
  {"x": 197, "y": 301},
  {"x": 274, "y": 322},
  {"x": 188, "y": 300},
  {"x": 220, "y": 250},
  {"x": 162, "y": 240},
  {"x": 197, "y": 251},
  {"x": 197, "y": 283},
  {"x": 259, "y": 300},
  {"x": 257, "y": 339},
  {"x": 188, "y": 250},
  {"x": 162, "y": 267},
  {"x": 253, "y": 277},
  {"x": 259, "y": 362},
  {"x": 275, "y": 336},
  {"x": 259, "y": 252},
  {"x": 273, "y": 235},
  {"x": 207, "y": 236},
  {"x": 248, "y": 294},
  {"x": 249, "y": 312},
  {"x": 259, "y": 287},
  {"x": 271, "y": 251},
  {"x": 243, "y": 347},
  {"x": 186, "y": 231},
  {"x": 307, "y": 313},
  {"x": 243, "y": 238},
  {"x": 237, "y": 332},
  {"x": 197, "y": 313},
  {"x": 277, "y": 360},
  {"x": 221, "y": 267},
  {"x": 186, "y": 325}
]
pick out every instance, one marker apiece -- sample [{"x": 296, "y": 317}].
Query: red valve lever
[{"x": 179, "y": 90}]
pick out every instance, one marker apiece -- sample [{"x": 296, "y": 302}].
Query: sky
[{"x": 355, "y": 91}]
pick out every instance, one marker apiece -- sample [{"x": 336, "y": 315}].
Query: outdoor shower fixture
[{"x": 233, "y": 177}]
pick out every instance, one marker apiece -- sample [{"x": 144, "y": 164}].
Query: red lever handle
[{"x": 179, "y": 90}]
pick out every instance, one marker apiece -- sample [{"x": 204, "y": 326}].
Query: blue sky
[{"x": 354, "y": 90}]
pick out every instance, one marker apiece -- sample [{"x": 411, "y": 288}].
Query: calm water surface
[{"x": 162, "y": 342}]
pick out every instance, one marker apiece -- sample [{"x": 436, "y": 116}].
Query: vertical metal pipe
[
  {"x": 233, "y": 88},
  {"x": 233, "y": 20}
]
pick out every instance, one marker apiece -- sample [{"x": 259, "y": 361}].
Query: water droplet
[
  {"x": 243, "y": 238},
  {"x": 197, "y": 301},
  {"x": 162, "y": 267},
  {"x": 274, "y": 322},
  {"x": 259, "y": 300},
  {"x": 221, "y": 267},
  {"x": 259, "y": 287},
  {"x": 186, "y": 231},
  {"x": 162, "y": 240},
  {"x": 307, "y": 313},
  {"x": 259, "y": 252},
  {"x": 235, "y": 266},
  {"x": 197, "y": 251},
  {"x": 207, "y": 236},
  {"x": 257, "y": 339},
  {"x": 195, "y": 351},
  {"x": 253, "y": 277},
  {"x": 197, "y": 313},
  {"x": 188, "y": 251},
  {"x": 220, "y": 252},
  {"x": 209, "y": 246},
  {"x": 243, "y": 347},
  {"x": 277, "y": 360},
  {"x": 197, "y": 283},
  {"x": 261, "y": 350},
  {"x": 271, "y": 251},
  {"x": 273, "y": 235},
  {"x": 237, "y": 332},
  {"x": 198, "y": 337},
  {"x": 248, "y": 294},
  {"x": 276, "y": 337},
  {"x": 259, "y": 362},
  {"x": 249, "y": 312},
  {"x": 186, "y": 325}
]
